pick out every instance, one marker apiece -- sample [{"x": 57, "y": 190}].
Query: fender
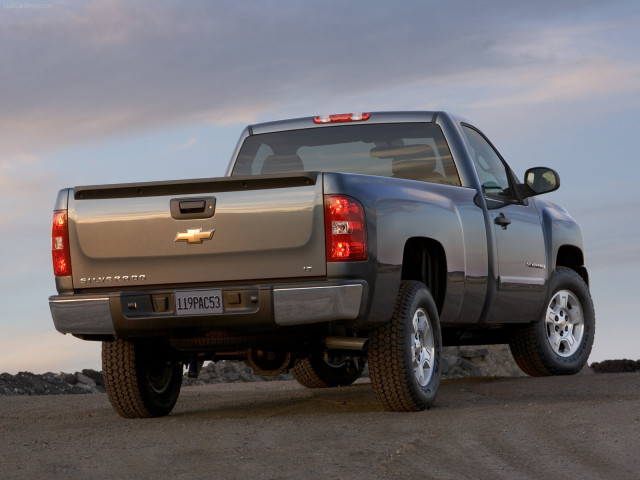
[
  {"x": 398, "y": 210},
  {"x": 559, "y": 230}
]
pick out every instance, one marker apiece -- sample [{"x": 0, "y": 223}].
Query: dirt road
[{"x": 585, "y": 426}]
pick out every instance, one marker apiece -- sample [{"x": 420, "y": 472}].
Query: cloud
[
  {"x": 596, "y": 81},
  {"x": 94, "y": 69},
  {"x": 188, "y": 144},
  {"x": 564, "y": 63}
]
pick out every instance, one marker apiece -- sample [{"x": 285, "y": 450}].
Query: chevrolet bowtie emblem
[{"x": 194, "y": 235}]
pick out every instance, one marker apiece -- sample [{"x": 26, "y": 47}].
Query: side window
[
  {"x": 438, "y": 163},
  {"x": 492, "y": 172}
]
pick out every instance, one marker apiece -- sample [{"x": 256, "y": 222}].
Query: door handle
[{"x": 503, "y": 221}]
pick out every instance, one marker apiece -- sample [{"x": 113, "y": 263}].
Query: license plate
[{"x": 198, "y": 302}]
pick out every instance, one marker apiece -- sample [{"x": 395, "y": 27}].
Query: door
[{"x": 519, "y": 265}]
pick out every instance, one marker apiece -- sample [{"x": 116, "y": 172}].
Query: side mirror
[{"x": 540, "y": 180}]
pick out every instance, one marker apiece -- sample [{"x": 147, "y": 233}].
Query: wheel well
[
  {"x": 573, "y": 258},
  {"x": 424, "y": 260}
]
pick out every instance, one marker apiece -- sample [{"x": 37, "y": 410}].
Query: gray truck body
[{"x": 266, "y": 257}]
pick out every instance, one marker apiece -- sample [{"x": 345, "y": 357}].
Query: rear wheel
[
  {"x": 560, "y": 342},
  {"x": 141, "y": 379},
  {"x": 405, "y": 354},
  {"x": 323, "y": 370}
]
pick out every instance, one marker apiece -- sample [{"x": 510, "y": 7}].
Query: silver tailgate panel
[{"x": 258, "y": 235}]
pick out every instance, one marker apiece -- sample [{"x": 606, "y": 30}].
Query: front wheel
[
  {"x": 560, "y": 342},
  {"x": 405, "y": 354},
  {"x": 141, "y": 379}
]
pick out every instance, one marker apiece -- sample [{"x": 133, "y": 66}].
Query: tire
[
  {"x": 405, "y": 355},
  {"x": 320, "y": 371},
  {"x": 560, "y": 342},
  {"x": 141, "y": 381}
]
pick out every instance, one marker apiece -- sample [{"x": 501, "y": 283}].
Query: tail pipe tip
[{"x": 346, "y": 343}]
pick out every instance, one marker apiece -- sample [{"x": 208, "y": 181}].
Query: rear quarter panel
[{"x": 398, "y": 210}]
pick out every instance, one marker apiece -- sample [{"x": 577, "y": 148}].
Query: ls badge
[{"x": 194, "y": 235}]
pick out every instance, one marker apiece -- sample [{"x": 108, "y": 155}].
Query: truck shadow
[{"x": 288, "y": 399}]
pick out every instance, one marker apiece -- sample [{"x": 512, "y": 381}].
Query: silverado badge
[{"x": 194, "y": 235}]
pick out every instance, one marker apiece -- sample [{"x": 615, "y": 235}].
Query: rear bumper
[
  {"x": 82, "y": 314},
  {"x": 297, "y": 306},
  {"x": 138, "y": 313}
]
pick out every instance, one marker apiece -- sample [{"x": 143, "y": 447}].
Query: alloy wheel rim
[
  {"x": 564, "y": 323},
  {"x": 422, "y": 347}
]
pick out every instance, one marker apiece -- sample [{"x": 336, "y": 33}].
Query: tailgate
[{"x": 200, "y": 231}]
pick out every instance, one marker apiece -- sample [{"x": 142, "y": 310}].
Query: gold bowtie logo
[{"x": 194, "y": 235}]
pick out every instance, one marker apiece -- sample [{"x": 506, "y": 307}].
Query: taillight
[
  {"x": 342, "y": 117},
  {"x": 60, "y": 244},
  {"x": 344, "y": 229}
]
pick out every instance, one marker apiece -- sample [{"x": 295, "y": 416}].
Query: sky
[{"x": 112, "y": 91}]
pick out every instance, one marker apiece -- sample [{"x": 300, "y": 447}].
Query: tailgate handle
[
  {"x": 188, "y": 208},
  {"x": 192, "y": 206}
]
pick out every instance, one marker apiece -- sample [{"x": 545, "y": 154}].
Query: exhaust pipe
[{"x": 346, "y": 343}]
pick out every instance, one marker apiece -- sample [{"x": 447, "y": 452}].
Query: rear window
[{"x": 416, "y": 151}]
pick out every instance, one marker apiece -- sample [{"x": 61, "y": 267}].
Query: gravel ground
[{"x": 578, "y": 427}]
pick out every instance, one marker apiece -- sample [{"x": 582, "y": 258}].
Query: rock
[
  {"x": 83, "y": 379},
  {"x": 616, "y": 366},
  {"x": 473, "y": 352},
  {"x": 95, "y": 376},
  {"x": 27, "y": 383},
  {"x": 229, "y": 371},
  {"x": 85, "y": 387},
  {"x": 485, "y": 360},
  {"x": 69, "y": 378}
]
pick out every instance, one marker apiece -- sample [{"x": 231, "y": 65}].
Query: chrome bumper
[
  {"x": 297, "y": 306},
  {"x": 84, "y": 316},
  {"x": 285, "y": 305}
]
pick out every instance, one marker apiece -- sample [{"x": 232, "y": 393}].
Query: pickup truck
[{"x": 332, "y": 241}]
